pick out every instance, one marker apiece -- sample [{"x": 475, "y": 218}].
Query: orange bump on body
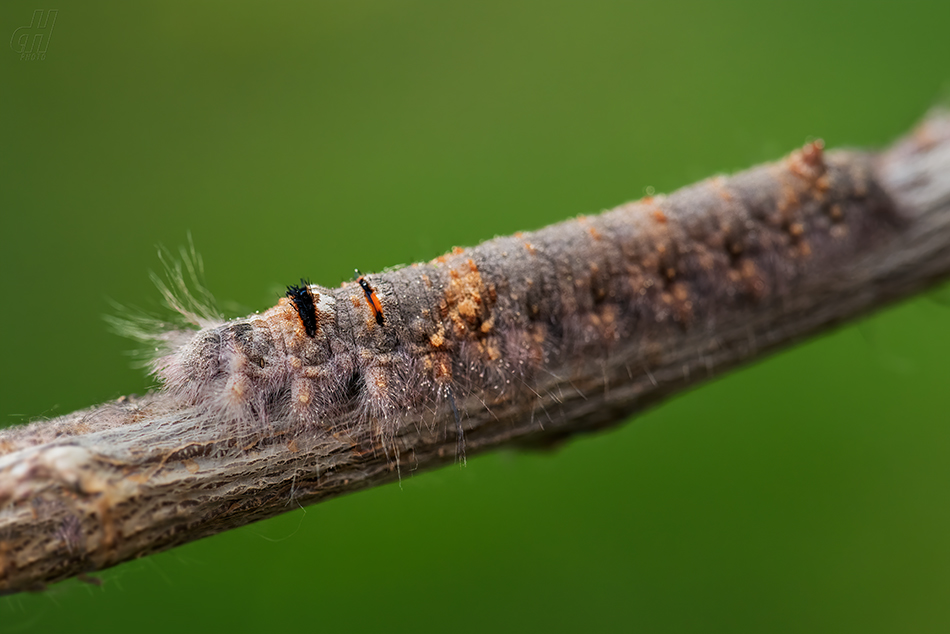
[
  {"x": 468, "y": 309},
  {"x": 719, "y": 184},
  {"x": 790, "y": 200},
  {"x": 813, "y": 153},
  {"x": 438, "y": 339}
]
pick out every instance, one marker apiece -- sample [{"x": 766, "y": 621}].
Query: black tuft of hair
[{"x": 306, "y": 307}]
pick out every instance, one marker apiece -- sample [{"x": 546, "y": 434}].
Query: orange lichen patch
[
  {"x": 457, "y": 250},
  {"x": 426, "y": 281},
  {"x": 659, "y": 216},
  {"x": 355, "y": 301},
  {"x": 796, "y": 229},
  {"x": 529, "y": 247},
  {"x": 835, "y": 212}
]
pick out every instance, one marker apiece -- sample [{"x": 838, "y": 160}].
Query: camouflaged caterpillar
[{"x": 588, "y": 303}]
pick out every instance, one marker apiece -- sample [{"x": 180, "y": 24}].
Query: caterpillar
[{"x": 581, "y": 305}]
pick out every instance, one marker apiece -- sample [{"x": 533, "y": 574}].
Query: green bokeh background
[{"x": 810, "y": 492}]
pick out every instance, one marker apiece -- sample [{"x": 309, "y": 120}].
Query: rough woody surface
[{"x": 525, "y": 339}]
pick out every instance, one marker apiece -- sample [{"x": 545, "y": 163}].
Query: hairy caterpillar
[{"x": 573, "y": 306}]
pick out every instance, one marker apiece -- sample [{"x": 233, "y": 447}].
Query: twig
[{"x": 522, "y": 340}]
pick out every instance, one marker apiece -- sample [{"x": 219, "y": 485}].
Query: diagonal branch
[{"x": 522, "y": 340}]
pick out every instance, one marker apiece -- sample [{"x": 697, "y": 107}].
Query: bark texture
[{"x": 525, "y": 339}]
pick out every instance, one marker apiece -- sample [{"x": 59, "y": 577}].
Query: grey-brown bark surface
[{"x": 521, "y": 340}]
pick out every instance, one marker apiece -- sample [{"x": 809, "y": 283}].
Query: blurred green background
[{"x": 810, "y": 492}]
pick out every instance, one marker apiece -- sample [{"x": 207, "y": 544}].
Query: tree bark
[{"x": 523, "y": 340}]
